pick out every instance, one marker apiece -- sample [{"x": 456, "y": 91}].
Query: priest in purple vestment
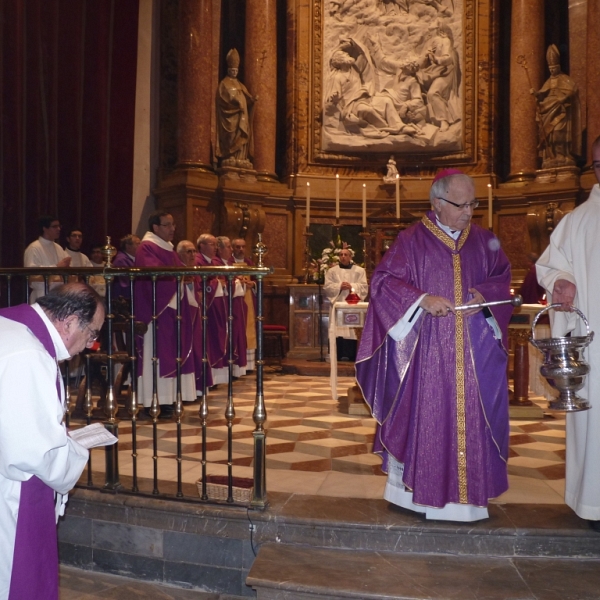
[
  {"x": 156, "y": 250},
  {"x": 125, "y": 258},
  {"x": 239, "y": 309},
  {"x": 435, "y": 377},
  {"x": 187, "y": 254},
  {"x": 216, "y": 300},
  {"x": 39, "y": 462}
]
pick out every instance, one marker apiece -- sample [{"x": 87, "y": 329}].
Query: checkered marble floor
[{"x": 313, "y": 448}]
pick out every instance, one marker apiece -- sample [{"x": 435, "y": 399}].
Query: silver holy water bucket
[{"x": 563, "y": 367}]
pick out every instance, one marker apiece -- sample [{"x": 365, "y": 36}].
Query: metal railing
[{"x": 14, "y": 289}]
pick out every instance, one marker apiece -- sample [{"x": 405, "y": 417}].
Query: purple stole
[{"x": 35, "y": 558}]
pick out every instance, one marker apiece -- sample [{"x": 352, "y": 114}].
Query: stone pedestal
[{"x": 353, "y": 403}]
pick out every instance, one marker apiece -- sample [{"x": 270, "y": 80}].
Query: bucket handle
[{"x": 574, "y": 308}]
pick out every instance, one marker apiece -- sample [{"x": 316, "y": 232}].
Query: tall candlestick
[
  {"x": 490, "y": 202},
  {"x": 397, "y": 196},
  {"x": 337, "y": 196},
  {"x": 307, "y": 204},
  {"x": 364, "y": 213}
]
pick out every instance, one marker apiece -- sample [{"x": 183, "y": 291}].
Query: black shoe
[
  {"x": 166, "y": 411},
  {"x": 595, "y": 525}
]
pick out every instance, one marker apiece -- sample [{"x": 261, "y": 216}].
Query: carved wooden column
[
  {"x": 195, "y": 92},
  {"x": 527, "y": 43},
  {"x": 593, "y": 75},
  {"x": 260, "y": 74}
]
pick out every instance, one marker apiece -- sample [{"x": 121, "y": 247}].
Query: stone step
[{"x": 286, "y": 572}]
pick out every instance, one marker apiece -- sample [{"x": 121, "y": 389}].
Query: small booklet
[{"x": 93, "y": 436}]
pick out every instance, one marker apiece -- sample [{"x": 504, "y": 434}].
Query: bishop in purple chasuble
[{"x": 439, "y": 391}]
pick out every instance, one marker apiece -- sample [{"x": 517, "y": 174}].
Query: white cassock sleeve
[{"x": 33, "y": 439}]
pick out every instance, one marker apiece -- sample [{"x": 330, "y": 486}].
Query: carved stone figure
[
  {"x": 392, "y": 171},
  {"x": 234, "y": 118},
  {"x": 440, "y": 77},
  {"x": 350, "y": 99},
  {"x": 558, "y": 116}
]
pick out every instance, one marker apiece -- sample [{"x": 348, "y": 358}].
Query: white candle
[
  {"x": 397, "y": 196},
  {"x": 364, "y": 212},
  {"x": 307, "y": 204},
  {"x": 490, "y": 201},
  {"x": 337, "y": 196}
]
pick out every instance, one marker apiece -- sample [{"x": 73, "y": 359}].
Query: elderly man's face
[
  {"x": 187, "y": 254},
  {"x": 77, "y": 336},
  {"x": 345, "y": 257},
  {"x": 225, "y": 250},
  {"x": 461, "y": 191},
  {"x": 209, "y": 247}
]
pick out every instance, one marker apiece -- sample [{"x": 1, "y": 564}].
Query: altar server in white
[
  {"x": 39, "y": 463},
  {"x": 340, "y": 280},
  {"x": 45, "y": 252},
  {"x": 569, "y": 270}
]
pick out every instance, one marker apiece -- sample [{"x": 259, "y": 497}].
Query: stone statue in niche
[
  {"x": 558, "y": 116},
  {"x": 234, "y": 118},
  {"x": 391, "y": 76}
]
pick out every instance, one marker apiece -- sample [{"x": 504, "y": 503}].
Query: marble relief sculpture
[
  {"x": 558, "y": 116},
  {"x": 392, "y": 75},
  {"x": 234, "y": 118}
]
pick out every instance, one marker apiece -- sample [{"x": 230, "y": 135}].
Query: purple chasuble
[
  {"x": 440, "y": 394},
  {"x": 121, "y": 284},
  {"x": 217, "y": 317},
  {"x": 150, "y": 254},
  {"x": 35, "y": 558}
]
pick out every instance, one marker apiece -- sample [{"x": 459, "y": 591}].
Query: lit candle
[
  {"x": 337, "y": 196},
  {"x": 307, "y": 204},
  {"x": 364, "y": 214},
  {"x": 397, "y": 196},
  {"x": 490, "y": 201}
]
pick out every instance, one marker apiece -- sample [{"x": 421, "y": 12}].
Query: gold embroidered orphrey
[{"x": 461, "y": 432}]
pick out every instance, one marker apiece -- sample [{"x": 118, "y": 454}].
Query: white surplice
[
  {"x": 43, "y": 253},
  {"x": 334, "y": 277},
  {"x": 574, "y": 255},
  {"x": 33, "y": 438}
]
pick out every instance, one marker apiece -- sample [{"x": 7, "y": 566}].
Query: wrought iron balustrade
[{"x": 15, "y": 286}]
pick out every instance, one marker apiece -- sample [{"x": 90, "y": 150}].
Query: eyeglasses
[
  {"x": 474, "y": 204},
  {"x": 94, "y": 334},
  {"x": 190, "y": 252}
]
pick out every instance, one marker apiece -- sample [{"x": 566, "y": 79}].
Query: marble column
[
  {"x": 260, "y": 74},
  {"x": 195, "y": 92},
  {"x": 526, "y": 47},
  {"x": 592, "y": 121},
  {"x": 577, "y": 50}
]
